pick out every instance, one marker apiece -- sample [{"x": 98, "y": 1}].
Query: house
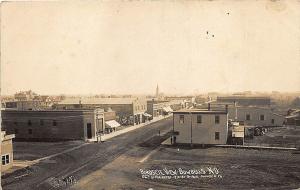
[
  {"x": 53, "y": 125},
  {"x": 129, "y": 111},
  {"x": 6, "y": 151},
  {"x": 200, "y": 126}
]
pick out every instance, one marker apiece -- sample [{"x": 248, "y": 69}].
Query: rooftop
[
  {"x": 98, "y": 101},
  {"x": 203, "y": 111}
]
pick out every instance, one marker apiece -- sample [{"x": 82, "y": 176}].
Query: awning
[
  {"x": 147, "y": 115},
  {"x": 167, "y": 109},
  {"x": 112, "y": 124}
]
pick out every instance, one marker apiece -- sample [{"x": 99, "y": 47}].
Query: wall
[
  {"x": 7, "y": 148},
  {"x": 203, "y": 133},
  {"x": 255, "y": 113},
  {"x": 69, "y": 124}
]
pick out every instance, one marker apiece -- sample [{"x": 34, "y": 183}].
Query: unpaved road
[{"x": 61, "y": 171}]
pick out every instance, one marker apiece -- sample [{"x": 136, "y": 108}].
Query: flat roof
[
  {"x": 99, "y": 100},
  {"x": 54, "y": 110},
  {"x": 202, "y": 111}
]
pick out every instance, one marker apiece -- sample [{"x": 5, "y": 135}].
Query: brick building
[
  {"x": 53, "y": 125},
  {"x": 128, "y": 110}
]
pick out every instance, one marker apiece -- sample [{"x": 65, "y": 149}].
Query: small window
[
  {"x": 181, "y": 119},
  {"x": 262, "y": 117},
  {"x": 248, "y": 117},
  {"x": 217, "y": 119},
  {"x": 217, "y": 135},
  {"x": 54, "y": 123},
  {"x": 16, "y": 123},
  {"x": 5, "y": 159},
  {"x": 199, "y": 119},
  {"x": 272, "y": 121},
  {"x": 41, "y": 122},
  {"x": 16, "y": 131},
  {"x": 29, "y": 123},
  {"x": 30, "y": 131}
]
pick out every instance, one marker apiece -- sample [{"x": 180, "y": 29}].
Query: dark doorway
[{"x": 89, "y": 130}]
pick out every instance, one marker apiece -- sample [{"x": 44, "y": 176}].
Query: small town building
[
  {"x": 256, "y": 116},
  {"x": 236, "y": 133},
  {"x": 129, "y": 111},
  {"x": 246, "y": 100},
  {"x": 6, "y": 151},
  {"x": 53, "y": 125},
  {"x": 158, "y": 107},
  {"x": 200, "y": 126}
]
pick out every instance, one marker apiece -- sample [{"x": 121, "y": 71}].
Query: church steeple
[{"x": 157, "y": 91}]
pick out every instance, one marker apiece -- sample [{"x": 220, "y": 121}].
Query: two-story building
[
  {"x": 128, "y": 110},
  {"x": 200, "y": 126},
  {"x": 53, "y": 125}
]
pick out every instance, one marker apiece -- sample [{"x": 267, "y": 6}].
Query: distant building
[
  {"x": 200, "y": 126},
  {"x": 6, "y": 151},
  {"x": 246, "y": 100},
  {"x": 128, "y": 110},
  {"x": 54, "y": 125},
  {"x": 256, "y": 116},
  {"x": 157, "y": 107},
  {"x": 293, "y": 118},
  {"x": 250, "y": 115},
  {"x": 25, "y": 95},
  {"x": 236, "y": 133}
]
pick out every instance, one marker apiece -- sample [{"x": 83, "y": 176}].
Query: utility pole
[{"x": 191, "y": 129}]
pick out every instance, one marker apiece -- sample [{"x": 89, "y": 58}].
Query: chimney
[{"x": 208, "y": 106}]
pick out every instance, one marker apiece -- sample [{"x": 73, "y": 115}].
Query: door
[{"x": 89, "y": 130}]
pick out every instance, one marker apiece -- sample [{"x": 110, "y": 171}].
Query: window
[
  {"x": 181, "y": 119},
  {"x": 16, "y": 123},
  {"x": 199, "y": 119},
  {"x": 272, "y": 121},
  {"x": 54, "y": 123},
  {"x": 30, "y": 131},
  {"x": 5, "y": 159},
  {"x": 217, "y": 119},
  {"x": 16, "y": 131},
  {"x": 41, "y": 122},
  {"x": 29, "y": 123},
  {"x": 262, "y": 117},
  {"x": 217, "y": 135},
  {"x": 248, "y": 117}
]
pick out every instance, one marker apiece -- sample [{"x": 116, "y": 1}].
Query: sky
[{"x": 128, "y": 47}]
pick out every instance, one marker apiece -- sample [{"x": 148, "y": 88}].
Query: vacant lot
[
  {"x": 280, "y": 137},
  {"x": 238, "y": 169},
  {"x": 36, "y": 150}
]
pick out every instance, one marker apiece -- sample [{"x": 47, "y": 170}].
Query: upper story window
[
  {"x": 29, "y": 123},
  {"x": 217, "y": 119},
  {"x": 248, "y": 117},
  {"x": 199, "y": 118},
  {"x": 262, "y": 117},
  {"x": 217, "y": 135},
  {"x": 181, "y": 119},
  {"x": 5, "y": 159},
  {"x": 41, "y": 122},
  {"x": 54, "y": 123},
  {"x": 30, "y": 131}
]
